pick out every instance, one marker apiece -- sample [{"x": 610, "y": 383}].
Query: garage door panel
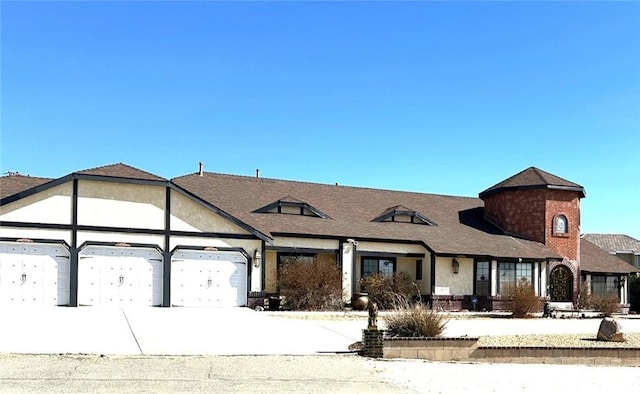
[
  {"x": 34, "y": 274},
  {"x": 214, "y": 279},
  {"x": 126, "y": 276}
]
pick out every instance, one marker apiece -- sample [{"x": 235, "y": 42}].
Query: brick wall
[
  {"x": 530, "y": 213},
  {"x": 568, "y": 204},
  {"x": 519, "y": 211}
]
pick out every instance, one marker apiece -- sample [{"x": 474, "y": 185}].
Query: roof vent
[
  {"x": 257, "y": 173},
  {"x": 200, "y": 169}
]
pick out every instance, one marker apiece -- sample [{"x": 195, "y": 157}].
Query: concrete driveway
[
  {"x": 171, "y": 331},
  {"x": 230, "y": 331}
]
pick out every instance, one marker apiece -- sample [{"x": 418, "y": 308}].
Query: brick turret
[{"x": 540, "y": 206}]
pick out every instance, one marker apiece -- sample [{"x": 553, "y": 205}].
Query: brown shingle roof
[
  {"x": 461, "y": 227},
  {"x": 533, "y": 178},
  {"x": 14, "y": 184},
  {"x": 614, "y": 242},
  {"x": 595, "y": 259},
  {"x": 120, "y": 170}
]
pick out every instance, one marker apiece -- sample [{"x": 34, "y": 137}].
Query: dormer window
[
  {"x": 403, "y": 214},
  {"x": 560, "y": 225},
  {"x": 291, "y": 206}
]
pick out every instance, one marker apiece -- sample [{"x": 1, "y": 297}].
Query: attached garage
[
  {"x": 32, "y": 273},
  {"x": 208, "y": 279},
  {"x": 119, "y": 276}
]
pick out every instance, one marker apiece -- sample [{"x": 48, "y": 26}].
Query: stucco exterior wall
[
  {"x": 49, "y": 206},
  {"x": 62, "y": 235},
  {"x": 408, "y": 266},
  {"x": 365, "y": 246},
  {"x": 458, "y": 284},
  {"x": 188, "y": 215},
  {"x": 311, "y": 243},
  {"x": 249, "y": 245},
  {"x": 114, "y": 204},
  {"x": 88, "y": 236}
]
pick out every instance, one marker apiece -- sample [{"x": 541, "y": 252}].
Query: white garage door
[
  {"x": 34, "y": 274},
  {"x": 201, "y": 278},
  {"x": 119, "y": 276}
]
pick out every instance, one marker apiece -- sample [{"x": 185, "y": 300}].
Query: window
[
  {"x": 605, "y": 286},
  {"x": 374, "y": 265},
  {"x": 418, "y": 269},
  {"x": 509, "y": 272},
  {"x": 483, "y": 278},
  {"x": 560, "y": 224},
  {"x": 284, "y": 258}
]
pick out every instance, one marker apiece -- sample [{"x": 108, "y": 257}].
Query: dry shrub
[
  {"x": 522, "y": 298},
  {"x": 608, "y": 305},
  {"x": 585, "y": 298},
  {"x": 415, "y": 321},
  {"x": 311, "y": 286},
  {"x": 390, "y": 292}
]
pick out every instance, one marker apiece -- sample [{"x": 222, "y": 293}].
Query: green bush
[
  {"x": 415, "y": 321},
  {"x": 390, "y": 292},
  {"x": 311, "y": 286},
  {"x": 522, "y": 298}
]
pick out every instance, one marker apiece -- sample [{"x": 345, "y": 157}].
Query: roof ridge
[{"x": 323, "y": 184}]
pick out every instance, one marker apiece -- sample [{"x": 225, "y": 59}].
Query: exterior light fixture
[
  {"x": 257, "y": 256},
  {"x": 455, "y": 265}
]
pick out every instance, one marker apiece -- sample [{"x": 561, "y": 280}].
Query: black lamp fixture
[{"x": 455, "y": 265}]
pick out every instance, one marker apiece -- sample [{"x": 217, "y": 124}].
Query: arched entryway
[{"x": 561, "y": 284}]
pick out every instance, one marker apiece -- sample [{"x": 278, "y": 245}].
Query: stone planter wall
[{"x": 467, "y": 349}]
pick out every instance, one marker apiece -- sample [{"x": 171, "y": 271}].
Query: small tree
[
  {"x": 313, "y": 285},
  {"x": 390, "y": 291},
  {"x": 522, "y": 298}
]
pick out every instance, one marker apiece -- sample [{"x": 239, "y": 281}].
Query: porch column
[
  {"x": 536, "y": 279},
  {"x": 544, "y": 291},
  {"x": 494, "y": 277},
  {"x": 348, "y": 257}
]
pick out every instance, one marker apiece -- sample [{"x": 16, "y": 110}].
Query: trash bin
[{"x": 274, "y": 303}]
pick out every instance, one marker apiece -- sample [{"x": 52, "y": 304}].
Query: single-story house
[{"x": 120, "y": 235}]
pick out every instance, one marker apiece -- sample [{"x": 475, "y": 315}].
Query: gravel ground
[{"x": 558, "y": 340}]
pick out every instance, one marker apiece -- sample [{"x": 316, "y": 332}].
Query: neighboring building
[
  {"x": 623, "y": 246},
  {"x": 119, "y": 235}
]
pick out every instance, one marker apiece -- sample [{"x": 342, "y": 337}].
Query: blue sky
[{"x": 437, "y": 97}]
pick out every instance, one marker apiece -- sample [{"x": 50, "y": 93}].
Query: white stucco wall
[
  {"x": 365, "y": 246},
  {"x": 49, "y": 206},
  {"x": 84, "y": 236},
  {"x": 458, "y": 284},
  {"x": 311, "y": 243},
  {"x": 188, "y": 215},
  {"x": 9, "y": 232},
  {"x": 120, "y": 205}
]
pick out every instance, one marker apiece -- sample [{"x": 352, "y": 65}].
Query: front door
[{"x": 561, "y": 284}]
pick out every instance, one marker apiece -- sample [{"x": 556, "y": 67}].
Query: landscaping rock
[{"x": 610, "y": 330}]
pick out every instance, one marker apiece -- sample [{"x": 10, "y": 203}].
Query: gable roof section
[
  {"x": 14, "y": 184},
  {"x": 595, "y": 259},
  {"x": 613, "y": 243},
  {"x": 534, "y": 178},
  {"x": 402, "y": 210},
  {"x": 291, "y": 202},
  {"x": 461, "y": 228},
  {"x": 120, "y": 170}
]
